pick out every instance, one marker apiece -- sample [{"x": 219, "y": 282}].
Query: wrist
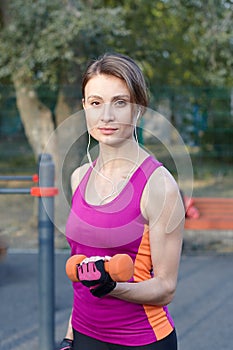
[
  {"x": 103, "y": 289},
  {"x": 116, "y": 290},
  {"x": 66, "y": 344}
]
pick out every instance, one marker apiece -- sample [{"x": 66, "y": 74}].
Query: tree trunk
[
  {"x": 66, "y": 143},
  {"x": 71, "y": 131},
  {"x": 71, "y": 142},
  {"x": 36, "y": 118}
]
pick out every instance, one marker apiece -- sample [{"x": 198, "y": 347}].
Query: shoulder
[
  {"x": 78, "y": 175},
  {"x": 161, "y": 182},
  {"x": 161, "y": 179},
  {"x": 161, "y": 197}
]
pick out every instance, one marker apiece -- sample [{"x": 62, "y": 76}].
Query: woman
[{"x": 123, "y": 202}]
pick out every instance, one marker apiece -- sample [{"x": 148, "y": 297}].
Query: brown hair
[{"x": 123, "y": 67}]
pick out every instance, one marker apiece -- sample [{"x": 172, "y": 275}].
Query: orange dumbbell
[{"x": 120, "y": 267}]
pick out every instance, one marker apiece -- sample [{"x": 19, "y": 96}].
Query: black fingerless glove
[
  {"x": 94, "y": 276},
  {"x": 102, "y": 289},
  {"x": 66, "y": 344}
]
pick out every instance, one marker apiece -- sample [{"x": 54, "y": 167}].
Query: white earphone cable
[{"x": 114, "y": 189}]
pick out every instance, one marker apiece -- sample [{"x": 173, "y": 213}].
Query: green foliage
[
  {"x": 182, "y": 42},
  {"x": 177, "y": 42},
  {"x": 211, "y": 34},
  {"x": 48, "y": 40}
]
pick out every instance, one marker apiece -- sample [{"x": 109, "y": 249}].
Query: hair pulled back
[{"x": 123, "y": 67}]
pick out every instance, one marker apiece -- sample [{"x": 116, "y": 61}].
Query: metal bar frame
[{"x": 46, "y": 271}]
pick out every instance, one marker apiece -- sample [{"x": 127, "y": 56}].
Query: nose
[{"x": 107, "y": 113}]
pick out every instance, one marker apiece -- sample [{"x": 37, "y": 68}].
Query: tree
[
  {"x": 44, "y": 47},
  {"x": 209, "y": 35},
  {"x": 182, "y": 42},
  {"x": 186, "y": 49},
  {"x": 45, "y": 44}
]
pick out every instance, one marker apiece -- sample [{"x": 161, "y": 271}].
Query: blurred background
[{"x": 185, "y": 49}]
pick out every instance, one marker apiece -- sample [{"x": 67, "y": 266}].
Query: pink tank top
[{"x": 109, "y": 229}]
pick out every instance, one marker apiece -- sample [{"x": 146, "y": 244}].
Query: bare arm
[
  {"x": 69, "y": 331},
  {"x": 163, "y": 207},
  {"x": 75, "y": 180},
  {"x": 77, "y": 176}
]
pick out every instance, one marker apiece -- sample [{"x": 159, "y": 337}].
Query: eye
[
  {"x": 120, "y": 103},
  {"x": 95, "y": 103}
]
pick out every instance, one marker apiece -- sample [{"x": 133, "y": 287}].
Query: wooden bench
[{"x": 214, "y": 214}]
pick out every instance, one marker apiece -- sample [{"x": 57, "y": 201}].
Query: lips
[{"x": 107, "y": 130}]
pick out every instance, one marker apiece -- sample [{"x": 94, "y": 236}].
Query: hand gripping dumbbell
[{"x": 120, "y": 267}]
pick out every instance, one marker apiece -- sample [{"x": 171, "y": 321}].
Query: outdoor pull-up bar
[{"x": 45, "y": 193}]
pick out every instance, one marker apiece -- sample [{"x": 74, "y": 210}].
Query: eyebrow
[
  {"x": 114, "y": 98},
  {"x": 121, "y": 96}
]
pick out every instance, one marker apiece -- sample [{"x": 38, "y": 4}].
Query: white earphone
[{"x": 139, "y": 113}]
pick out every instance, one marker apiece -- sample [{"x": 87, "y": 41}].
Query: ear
[{"x": 83, "y": 103}]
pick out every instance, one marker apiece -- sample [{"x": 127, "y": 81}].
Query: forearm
[
  {"x": 69, "y": 331},
  {"x": 155, "y": 291}
]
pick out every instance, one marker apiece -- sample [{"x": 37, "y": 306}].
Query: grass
[{"x": 16, "y": 157}]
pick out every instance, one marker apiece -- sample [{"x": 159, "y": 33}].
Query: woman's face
[{"x": 108, "y": 108}]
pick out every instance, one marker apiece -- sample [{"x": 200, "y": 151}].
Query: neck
[
  {"x": 114, "y": 167},
  {"x": 117, "y": 158}
]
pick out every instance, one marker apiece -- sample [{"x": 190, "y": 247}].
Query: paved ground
[{"x": 202, "y": 308}]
